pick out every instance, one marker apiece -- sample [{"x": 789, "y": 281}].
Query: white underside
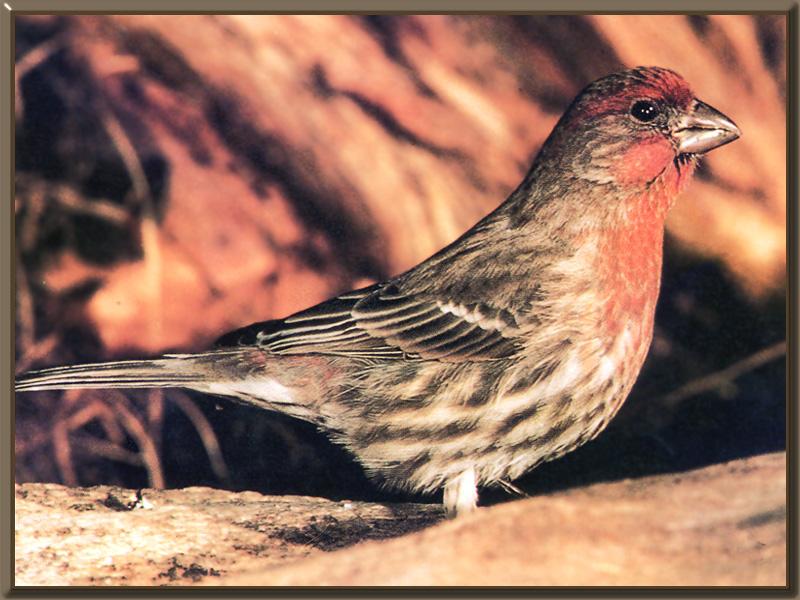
[{"x": 266, "y": 389}]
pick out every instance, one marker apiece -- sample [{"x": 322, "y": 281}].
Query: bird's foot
[{"x": 461, "y": 494}]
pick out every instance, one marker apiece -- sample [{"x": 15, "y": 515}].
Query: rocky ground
[{"x": 721, "y": 525}]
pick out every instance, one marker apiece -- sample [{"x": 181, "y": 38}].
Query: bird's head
[{"x": 637, "y": 128}]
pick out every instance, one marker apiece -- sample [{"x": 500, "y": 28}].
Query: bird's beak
[{"x": 703, "y": 128}]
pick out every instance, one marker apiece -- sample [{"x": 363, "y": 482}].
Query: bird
[{"x": 511, "y": 346}]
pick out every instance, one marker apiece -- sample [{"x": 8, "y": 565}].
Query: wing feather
[{"x": 381, "y": 322}]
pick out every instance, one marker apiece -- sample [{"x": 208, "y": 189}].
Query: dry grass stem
[
  {"x": 722, "y": 378},
  {"x": 147, "y": 447},
  {"x": 206, "y": 433}
]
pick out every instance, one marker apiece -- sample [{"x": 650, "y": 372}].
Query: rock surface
[{"x": 721, "y": 525}]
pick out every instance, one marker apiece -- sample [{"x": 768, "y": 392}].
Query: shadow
[{"x": 329, "y": 533}]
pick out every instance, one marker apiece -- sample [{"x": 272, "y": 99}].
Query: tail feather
[
  {"x": 176, "y": 370},
  {"x": 235, "y": 373}
]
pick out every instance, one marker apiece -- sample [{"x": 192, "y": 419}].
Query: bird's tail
[
  {"x": 172, "y": 370},
  {"x": 242, "y": 374}
]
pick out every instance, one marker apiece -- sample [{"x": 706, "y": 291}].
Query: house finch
[{"x": 513, "y": 345}]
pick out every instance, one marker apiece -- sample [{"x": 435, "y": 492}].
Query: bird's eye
[{"x": 644, "y": 111}]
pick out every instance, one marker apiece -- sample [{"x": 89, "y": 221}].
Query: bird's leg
[{"x": 461, "y": 494}]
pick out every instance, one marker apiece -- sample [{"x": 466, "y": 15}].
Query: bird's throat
[
  {"x": 652, "y": 168},
  {"x": 629, "y": 266}
]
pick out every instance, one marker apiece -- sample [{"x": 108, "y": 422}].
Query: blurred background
[{"x": 181, "y": 176}]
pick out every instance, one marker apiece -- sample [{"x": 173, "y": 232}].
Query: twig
[
  {"x": 103, "y": 209},
  {"x": 151, "y": 246},
  {"x": 723, "y": 377},
  {"x": 110, "y": 423},
  {"x": 25, "y": 317},
  {"x": 105, "y": 449},
  {"x": 155, "y": 415},
  {"x": 28, "y": 231},
  {"x": 63, "y": 452},
  {"x": 147, "y": 448},
  {"x": 32, "y": 59},
  {"x": 84, "y": 415},
  {"x": 36, "y": 56},
  {"x": 35, "y": 191},
  {"x": 128, "y": 154},
  {"x": 40, "y": 349},
  {"x": 95, "y": 409},
  {"x": 206, "y": 433}
]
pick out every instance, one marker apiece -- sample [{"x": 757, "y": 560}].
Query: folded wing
[{"x": 382, "y": 322}]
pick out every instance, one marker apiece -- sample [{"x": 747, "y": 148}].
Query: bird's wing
[{"x": 382, "y": 322}]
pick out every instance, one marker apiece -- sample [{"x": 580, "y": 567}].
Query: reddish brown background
[{"x": 179, "y": 176}]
